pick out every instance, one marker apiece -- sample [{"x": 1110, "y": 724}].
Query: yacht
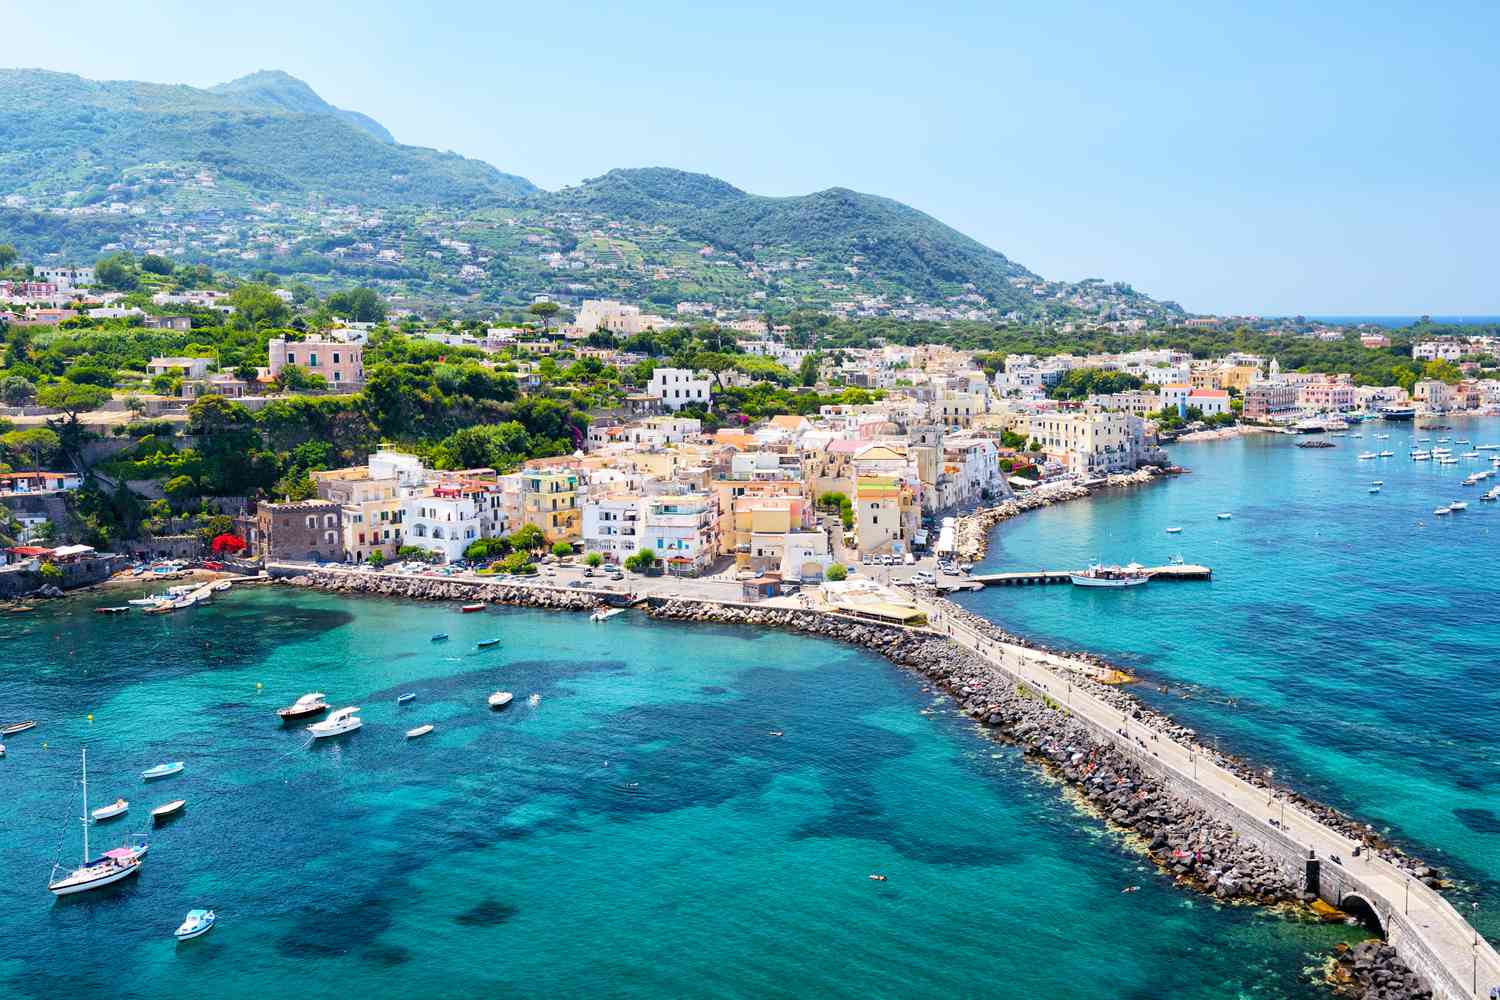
[
  {"x": 196, "y": 924},
  {"x": 1441, "y": 511},
  {"x": 1487, "y": 447},
  {"x": 1365, "y": 456},
  {"x": 308, "y": 704},
  {"x": 95, "y": 873},
  {"x": 1398, "y": 413},
  {"x": 1458, "y": 505},
  {"x": 337, "y": 724},
  {"x": 1421, "y": 456},
  {"x": 500, "y": 699},
  {"x": 1099, "y": 575},
  {"x": 1387, "y": 454}
]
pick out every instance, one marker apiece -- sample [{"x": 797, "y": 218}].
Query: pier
[{"x": 1176, "y": 571}]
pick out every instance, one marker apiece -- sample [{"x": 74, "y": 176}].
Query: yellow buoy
[{"x": 91, "y": 716}]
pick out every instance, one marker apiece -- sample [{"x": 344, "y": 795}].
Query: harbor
[{"x": 1172, "y": 572}]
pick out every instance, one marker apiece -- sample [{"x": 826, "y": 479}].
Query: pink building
[
  {"x": 341, "y": 365},
  {"x": 1334, "y": 397}
]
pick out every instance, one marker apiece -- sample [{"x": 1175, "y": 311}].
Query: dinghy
[
  {"x": 404, "y": 698},
  {"x": 162, "y": 770},
  {"x": 17, "y": 727},
  {"x": 487, "y": 643},
  {"x": 440, "y": 637},
  {"x": 500, "y": 699},
  {"x": 167, "y": 811},
  {"x": 469, "y": 609},
  {"x": 412, "y": 734},
  {"x": 116, "y": 808}
]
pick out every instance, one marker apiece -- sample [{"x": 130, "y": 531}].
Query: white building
[
  {"x": 444, "y": 521},
  {"x": 611, "y": 526},
  {"x": 1434, "y": 350},
  {"x": 683, "y": 529},
  {"x": 678, "y": 387},
  {"x": 1092, "y": 443}
]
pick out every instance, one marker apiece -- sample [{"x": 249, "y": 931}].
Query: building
[
  {"x": 1209, "y": 402},
  {"x": 549, "y": 500},
  {"x": 1268, "y": 401},
  {"x": 444, "y": 521},
  {"x": 611, "y": 526},
  {"x": 372, "y": 511},
  {"x": 1093, "y": 443},
  {"x": 341, "y": 365},
  {"x": 1438, "y": 350},
  {"x": 182, "y": 323},
  {"x": 1326, "y": 396},
  {"x": 683, "y": 530},
  {"x": 65, "y": 278},
  {"x": 1137, "y": 401},
  {"x": 1434, "y": 395},
  {"x": 617, "y": 318},
  {"x": 195, "y": 368},
  {"x": 295, "y": 531},
  {"x": 678, "y": 387},
  {"x": 16, "y": 483}
]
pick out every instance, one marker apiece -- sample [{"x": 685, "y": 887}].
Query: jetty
[{"x": 976, "y": 581}]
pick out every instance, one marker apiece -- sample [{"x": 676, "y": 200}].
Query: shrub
[
  {"x": 836, "y": 572},
  {"x": 376, "y": 559},
  {"x": 594, "y": 559},
  {"x": 561, "y": 549},
  {"x": 643, "y": 561},
  {"x": 517, "y": 562},
  {"x": 51, "y": 574}
]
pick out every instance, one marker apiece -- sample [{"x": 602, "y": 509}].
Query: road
[{"x": 1470, "y": 960}]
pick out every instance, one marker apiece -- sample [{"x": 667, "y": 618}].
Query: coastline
[
  {"x": 1200, "y": 846},
  {"x": 972, "y": 531}
]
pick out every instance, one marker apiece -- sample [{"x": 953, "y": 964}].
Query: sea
[
  {"x": 1397, "y": 322},
  {"x": 634, "y": 826}
]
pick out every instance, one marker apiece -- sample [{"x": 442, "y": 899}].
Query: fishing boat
[
  {"x": 119, "y": 807},
  {"x": 150, "y": 602},
  {"x": 500, "y": 699},
  {"x": 1224, "y": 516},
  {"x": 412, "y": 734},
  {"x": 106, "y": 869},
  {"x": 168, "y": 810},
  {"x": 440, "y": 637},
  {"x": 402, "y": 699},
  {"x": 340, "y": 722},
  {"x": 487, "y": 643},
  {"x": 17, "y": 727},
  {"x": 195, "y": 924},
  {"x": 469, "y": 609},
  {"x": 1174, "y": 531},
  {"x": 122, "y": 609},
  {"x": 308, "y": 704},
  {"x": 162, "y": 771},
  {"x": 1099, "y": 575}
]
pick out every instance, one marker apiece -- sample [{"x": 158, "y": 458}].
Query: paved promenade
[{"x": 1425, "y": 928}]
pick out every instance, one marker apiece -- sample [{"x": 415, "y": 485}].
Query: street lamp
[{"x": 1407, "y": 905}]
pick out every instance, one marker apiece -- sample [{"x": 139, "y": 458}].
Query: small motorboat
[
  {"x": 1441, "y": 511},
  {"x": 500, "y": 699},
  {"x": 1373, "y": 489},
  {"x": 1174, "y": 531},
  {"x": 1387, "y": 454},
  {"x": 165, "y": 812},
  {"x": 412, "y": 734},
  {"x": 402, "y": 699},
  {"x": 162, "y": 770},
  {"x": 1224, "y": 517},
  {"x": 1458, "y": 505},
  {"x": 196, "y": 924},
  {"x": 877, "y": 878},
  {"x": 308, "y": 704},
  {"x": 2, "y": 745},
  {"x": 118, "y": 807},
  {"x": 343, "y": 721},
  {"x": 487, "y": 643},
  {"x": 469, "y": 609},
  {"x": 1377, "y": 482},
  {"x": 122, "y": 609},
  {"x": 150, "y": 602},
  {"x": 440, "y": 637},
  {"x": 17, "y": 727}
]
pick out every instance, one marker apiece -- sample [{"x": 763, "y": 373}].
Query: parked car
[{"x": 588, "y": 571}]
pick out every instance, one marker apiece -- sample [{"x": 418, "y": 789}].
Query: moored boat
[
  {"x": 422, "y": 730},
  {"x": 308, "y": 704},
  {"x": 118, "y": 807},
  {"x": 343, "y": 721},
  {"x": 402, "y": 699},
  {"x": 469, "y": 609},
  {"x": 112, "y": 610},
  {"x": 195, "y": 924},
  {"x": 487, "y": 643},
  {"x": 17, "y": 727},
  {"x": 500, "y": 699},
  {"x": 1224, "y": 516},
  {"x": 440, "y": 637},
  {"x": 167, "y": 810},
  {"x": 162, "y": 770},
  {"x": 1099, "y": 575},
  {"x": 1174, "y": 531}
]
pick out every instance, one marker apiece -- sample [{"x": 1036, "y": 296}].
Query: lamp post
[{"x": 1406, "y": 907}]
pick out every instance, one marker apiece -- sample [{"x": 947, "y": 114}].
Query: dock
[{"x": 1174, "y": 572}]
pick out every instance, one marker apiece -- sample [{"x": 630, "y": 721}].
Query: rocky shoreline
[
  {"x": 972, "y": 531},
  {"x": 1197, "y": 850}
]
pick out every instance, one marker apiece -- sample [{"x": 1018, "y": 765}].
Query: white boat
[
  {"x": 1224, "y": 516},
  {"x": 308, "y": 704},
  {"x": 1099, "y": 575},
  {"x": 172, "y": 808},
  {"x": 412, "y": 734},
  {"x": 605, "y": 614},
  {"x": 1174, "y": 531},
  {"x": 18, "y": 727},
  {"x": 1387, "y": 454},
  {"x": 118, "y": 807},
  {"x": 402, "y": 699},
  {"x": 162, "y": 770},
  {"x": 1420, "y": 456},
  {"x": 1441, "y": 511},
  {"x": 2, "y": 749},
  {"x": 1447, "y": 460},
  {"x": 150, "y": 602},
  {"x": 1365, "y": 456},
  {"x": 1458, "y": 505},
  {"x": 1487, "y": 447},
  {"x": 1373, "y": 489},
  {"x": 1377, "y": 482},
  {"x": 195, "y": 924},
  {"x": 500, "y": 699},
  {"x": 337, "y": 724},
  {"x": 95, "y": 873},
  {"x": 1471, "y": 454}
]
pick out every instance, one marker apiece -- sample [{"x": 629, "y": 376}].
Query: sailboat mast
[{"x": 85, "y": 816}]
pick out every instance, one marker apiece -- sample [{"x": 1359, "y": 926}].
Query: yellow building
[
  {"x": 549, "y": 500},
  {"x": 885, "y": 515},
  {"x": 370, "y": 510}
]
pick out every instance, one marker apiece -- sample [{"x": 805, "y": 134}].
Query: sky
[{"x": 1337, "y": 158}]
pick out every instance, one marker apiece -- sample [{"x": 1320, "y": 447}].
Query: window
[
  {"x": 312, "y": 522},
  {"x": 291, "y": 358}
]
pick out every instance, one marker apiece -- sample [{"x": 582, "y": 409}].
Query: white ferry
[{"x": 1099, "y": 575}]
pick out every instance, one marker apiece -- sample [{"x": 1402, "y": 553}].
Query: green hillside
[
  {"x": 265, "y": 138},
  {"x": 891, "y": 241}
]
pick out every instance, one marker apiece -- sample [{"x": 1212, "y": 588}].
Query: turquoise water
[
  {"x": 633, "y": 831},
  {"x": 1355, "y": 634}
]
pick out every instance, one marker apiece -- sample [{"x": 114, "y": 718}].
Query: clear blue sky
[{"x": 1274, "y": 158}]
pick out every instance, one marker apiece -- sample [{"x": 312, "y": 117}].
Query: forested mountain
[{"x": 267, "y": 137}]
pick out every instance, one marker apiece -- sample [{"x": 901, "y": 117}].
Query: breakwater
[
  {"x": 1203, "y": 842},
  {"x": 972, "y": 531}
]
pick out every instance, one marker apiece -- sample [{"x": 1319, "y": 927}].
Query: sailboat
[{"x": 108, "y": 868}]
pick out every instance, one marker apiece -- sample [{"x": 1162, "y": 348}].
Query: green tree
[
  {"x": 488, "y": 446},
  {"x": 257, "y": 306},
  {"x": 561, "y": 549},
  {"x": 594, "y": 559},
  {"x": 180, "y": 488},
  {"x": 807, "y": 372},
  {"x": 117, "y": 272},
  {"x": 156, "y": 264},
  {"x": 642, "y": 562},
  {"x": 517, "y": 562},
  {"x": 376, "y": 558},
  {"x": 359, "y": 305},
  {"x": 836, "y": 572},
  {"x": 16, "y": 391},
  {"x": 528, "y": 537},
  {"x": 295, "y": 378},
  {"x": 7, "y": 256},
  {"x": 72, "y": 400},
  {"x": 90, "y": 374},
  {"x": 544, "y": 311},
  {"x": 36, "y": 443}
]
